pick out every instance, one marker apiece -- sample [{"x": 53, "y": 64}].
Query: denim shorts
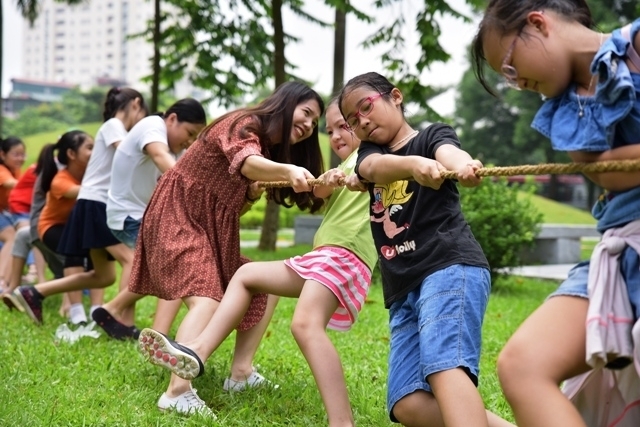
[
  {"x": 7, "y": 219},
  {"x": 578, "y": 279},
  {"x": 129, "y": 233},
  {"x": 437, "y": 327}
]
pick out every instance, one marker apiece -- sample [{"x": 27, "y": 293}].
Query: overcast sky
[{"x": 313, "y": 55}]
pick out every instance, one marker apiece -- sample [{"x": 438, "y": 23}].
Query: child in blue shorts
[{"x": 435, "y": 276}]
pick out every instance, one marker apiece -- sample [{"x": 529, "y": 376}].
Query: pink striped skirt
[{"x": 343, "y": 273}]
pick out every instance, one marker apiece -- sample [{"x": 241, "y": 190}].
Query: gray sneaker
[
  {"x": 253, "y": 381},
  {"x": 188, "y": 403}
]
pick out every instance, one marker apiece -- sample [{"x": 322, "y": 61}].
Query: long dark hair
[
  {"x": 118, "y": 99},
  {"x": 508, "y": 16},
  {"x": 71, "y": 140},
  {"x": 273, "y": 121}
]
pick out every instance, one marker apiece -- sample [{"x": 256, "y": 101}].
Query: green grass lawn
[
  {"x": 559, "y": 213},
  {"x": 106, "y": 383},
  {"x": 34, "y": 143}
]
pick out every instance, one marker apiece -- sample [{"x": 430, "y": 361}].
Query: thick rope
[{"x": 541, "y": 169}]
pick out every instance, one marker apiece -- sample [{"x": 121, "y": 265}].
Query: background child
[
  {"x": 20, "y": 198},
  {"x": 550, "y": 48},
  {"x": 435, "y": 276},
  {"x": 12, "y": 156},
  {"x": 149, "y": 150},
  {"x": 86, "y": 232},
  {"x": 189, "y": 242},
  {"x": 331, "y": 282},
  {"x": 26, "y": 236},
  {"x": 73, "y": 151}
]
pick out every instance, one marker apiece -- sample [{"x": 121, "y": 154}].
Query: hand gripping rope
[{"x": 541, "y": 169}]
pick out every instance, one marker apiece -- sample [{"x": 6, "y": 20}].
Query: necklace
[
  {"x": 580, "y": 104},
  {"x": 411, "y": 135}
]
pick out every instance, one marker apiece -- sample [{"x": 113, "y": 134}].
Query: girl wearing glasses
[
  {"x": 331, "y": 283},
  {"x": 435, "y": 276},
  {"x": 592, "y": 85}
]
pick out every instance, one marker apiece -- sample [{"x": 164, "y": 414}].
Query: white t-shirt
[
  {"x": 95, "y": 183},
  {"x": 134, "y": 175}
]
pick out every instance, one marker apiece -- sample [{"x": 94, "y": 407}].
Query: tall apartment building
[{"x": 88, "y": 44}]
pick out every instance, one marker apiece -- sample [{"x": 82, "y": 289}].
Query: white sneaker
[
  {"x": 254, "y": 380},
  {"x": 188, "y": 403}
]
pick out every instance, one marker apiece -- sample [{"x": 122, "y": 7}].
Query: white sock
[
  {"x": 77, "y": 314},
  {"x": 92, "y": 309}
]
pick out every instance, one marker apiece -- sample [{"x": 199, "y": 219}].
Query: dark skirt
[{"x": 86, "y": 229}]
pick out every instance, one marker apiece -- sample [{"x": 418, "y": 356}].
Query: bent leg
[
  {"x": 312, "y": 314},
  {"x": 548, "y": 348},
  {"x": 255, "y": 277}
]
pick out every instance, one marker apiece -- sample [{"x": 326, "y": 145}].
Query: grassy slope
[
  {"x": 560, "y": 213},
  {"x": 35, "y": 142}
]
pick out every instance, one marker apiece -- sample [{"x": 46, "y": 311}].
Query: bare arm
[
  {"x": 331, "y": 178},
  {"x": 457, "y": 160},
  {"x": 72, "y": 193},
  {"x": 388, "y": 168},
  {"x": 613, "y": 181},
  {"x": 160, "y": 155},
  {"x": 10, "y": 183},
  {"x": 257, "y": 168}
]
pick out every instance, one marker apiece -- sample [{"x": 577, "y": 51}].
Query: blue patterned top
[{"x": 609, "y": 119}]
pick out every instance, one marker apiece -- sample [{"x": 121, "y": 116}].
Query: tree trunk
[
  {"x": 155, "y": 79},
  {"x": 1, "y": 55},
  {"x": 339, "y": 43},
  {"x": 269, "y": 235}
]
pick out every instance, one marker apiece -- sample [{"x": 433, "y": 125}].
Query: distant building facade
[
  {"x": 31, "y": 93},
  {"x": 88, "y": 44}
]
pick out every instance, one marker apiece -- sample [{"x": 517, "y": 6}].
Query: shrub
[
  {"x": 503, "y": 224},
  {"x": 254, "y": 218}
]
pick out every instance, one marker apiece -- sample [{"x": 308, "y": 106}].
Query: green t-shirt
[{"x": 346, "y": 220}]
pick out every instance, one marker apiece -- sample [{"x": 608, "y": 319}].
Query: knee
[
  {"x": 302, "y": 328},
  {"x": 104, "y": 280},
  {"x": 403, "y": 411},
  {"x": 511, "y": 366},
  {"x": 411, "y": 411}
]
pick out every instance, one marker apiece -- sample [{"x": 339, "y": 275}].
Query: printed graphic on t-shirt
[{"x": 388, "y": 200}]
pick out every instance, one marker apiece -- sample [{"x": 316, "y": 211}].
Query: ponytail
[
  {"x": 71, "y": 140},
  {"x": 118, "y": 99}
]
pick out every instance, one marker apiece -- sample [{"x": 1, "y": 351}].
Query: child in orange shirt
[{"x": 12, "y": 156}]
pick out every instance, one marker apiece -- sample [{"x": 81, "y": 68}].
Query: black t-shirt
[{"x": 418, "y": 230}]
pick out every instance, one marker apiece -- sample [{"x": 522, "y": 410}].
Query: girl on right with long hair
[{"x": 591, "y": 82}]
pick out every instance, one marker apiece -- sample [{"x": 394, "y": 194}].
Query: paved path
[{"x": 552, "y": 271}]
